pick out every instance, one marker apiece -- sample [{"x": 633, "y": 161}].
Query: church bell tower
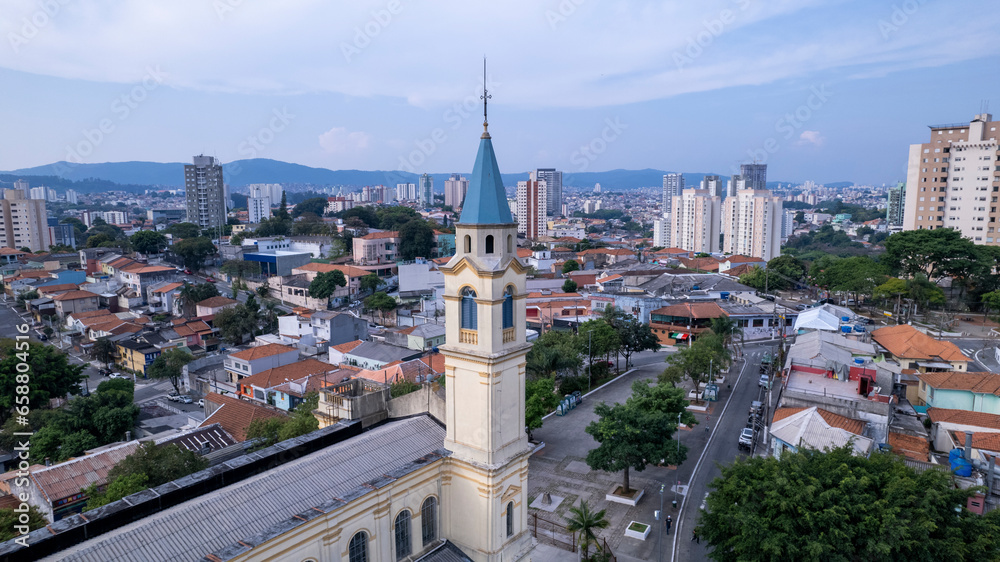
[{"x": 486, "y": 483}]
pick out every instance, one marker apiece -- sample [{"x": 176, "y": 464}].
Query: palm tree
[
  {"x": 584, "y": 521},
  {"x": 725, "y": 327}
]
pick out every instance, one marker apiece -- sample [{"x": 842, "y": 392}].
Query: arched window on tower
[
  {"x": 428, "y": 520},
  {"x": 510, "y": 519},
  {"x": 402, "y": 535},
  {"x": 489, "y": 243},
  {"x": 510, "y": 244},
  {"x": 357, "y": 549},
  {"x": 508, "y": 307},
  {"x": 468, "y": 244},
  {"x": 469, "y": 316}
]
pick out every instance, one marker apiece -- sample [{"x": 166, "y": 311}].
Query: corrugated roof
[
  {"x": 856, "y": 427},
  {"x": 70, "y": 477},
  {"x": 808, "y": 428},
  {"x": 981, "y": 383},
  {"x": 692, "y": 310},
  {"x": 290, "y": 372},
  {"x": 265, "y": 504},
  {"x": 235, "y": 415},
  {"x": 261, "y": 351},
  {"x": 964, "y": 417},
  {"x": 74, "y": 295},
  {"x": 909, "y": 446},
  {"x": 215, "y": 302}
]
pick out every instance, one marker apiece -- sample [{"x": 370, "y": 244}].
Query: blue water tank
[
  {"x": 724, "y": 295},
  {"x": 845, "y": 318},
  {"x": 859, "y": 360},
  {"x": 961, "y": 467},
  {"x": 955, "y": 453},
  {"x": 845, "y": 329}
]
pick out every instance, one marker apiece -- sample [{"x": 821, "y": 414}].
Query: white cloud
[
  {"x": 811, "y": 137},
  {"x": 580, "y": 53},
  {"x": 339, "y": 140}
]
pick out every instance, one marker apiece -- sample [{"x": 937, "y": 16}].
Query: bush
[{"x": 569, "y": 385}]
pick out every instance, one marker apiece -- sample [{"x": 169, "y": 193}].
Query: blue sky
[{"x": 822, "y": 90}]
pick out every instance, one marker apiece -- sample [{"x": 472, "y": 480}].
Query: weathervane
[{"x": 486, "y": 99}]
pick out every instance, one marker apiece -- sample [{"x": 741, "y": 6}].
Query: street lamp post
[
  {"x": 590, "y": 357},
  {"x": 660, "y": 517},
  {"x": 678, "y": 457}
]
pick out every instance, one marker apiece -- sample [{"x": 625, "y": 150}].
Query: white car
[
  {"x": 118, "y": 376},
  {"x": 765, "y": 381},
  {"x": 746, "y": 437}
]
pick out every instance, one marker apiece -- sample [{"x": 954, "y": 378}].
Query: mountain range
[{"x": 240, "y": 173}]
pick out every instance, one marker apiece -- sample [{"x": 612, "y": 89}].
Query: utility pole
[
  {"x": 590, "y": 356},
  {"x": 678, "y": 458}
]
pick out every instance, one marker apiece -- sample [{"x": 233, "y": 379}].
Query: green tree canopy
[
  {"x": 416, "y": 239},
  {"x": 583, "y": 521},
  {"x": 569, "y": 286},
  {"x": 183, "y": 230},
  {"x": 370, "y": 282},
  {"x": 193, "y": 293},
  {"x": 553, "y": 352},
  {"x": 707, "y": 352},
  {"x": 540, "y": 398},
  {"x": 9, "y": 519},
  {"x": 169, "y": 365},
  {"x": 51, "y": 374},
  {"x": 381, "y": 302},
  {"x": 833, "y": 505},
  {"x": 392, "y": 218},
  {"x": 364, "y": 215},
  {"x": 570, "y": 265},
  {"x": 148, "y": 242},
  {"x": 314, "y": 205},
  {"x": 634, "y": 434},
  {"x": 236, "y": 323},
  {"x": 325, "y": 284},
  {"x": 194, "y": 251}
]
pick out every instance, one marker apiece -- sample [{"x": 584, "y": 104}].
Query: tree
[
  {"x": 268, "y": 431},
  {"x": 991, "y": 301},
  {"x": 160, "y": 464},
  {"x": 416, "y": 239},
  {"x": 553, "y": 352},
  {"x": 26, "y": 296},
  {"x": 402, "y": 387},
  {"x": 193, "y": 293},
  {"x": 282, "y": 212},
  {"x": 800, "y": 217},
  {"x": 393, "y": 217},
  {"x": 103, "y": 351},
  {"x": 570, "y": 265},
  {"x": 638, "y": 432},
  {"x": 569, "y": 286},
  {"x": 706, "y": 353},
  {"x": 52, "y": 375},
  {"x": 119, "y": 488},
  {"x": 582, "y": 520},
  {"x": 194, "y": 251},
  {"x": 539, "y": 399},
  {"x": 812, "y": 505},
  {"x": 380, "y": 302},
  {"x": 370, "y": 282},
  {"x": 10, "y": 520},
  {"x": 725, "y": 327},
  {"x": 325, "y": 284},
  {"x": 183, "y": 230},
  {"x": 314, "y": 205},
  {"x": 170, "y": 365},
  {"x": 235, "y": 323},
  {"x": 74, "y": 444},
  {"x": 361, "y": 216},
  {"x": 636, "y": 337},
  {"x": 148, "y": 242}
]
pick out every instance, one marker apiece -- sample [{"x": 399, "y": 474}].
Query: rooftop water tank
[
  {"x": 859, "y": 360},
  {"x": 845, "y": 329},
  {"x": 845, "y": 318}
]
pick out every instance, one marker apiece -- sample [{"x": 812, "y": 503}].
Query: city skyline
[{"x": 780, "y": 79}]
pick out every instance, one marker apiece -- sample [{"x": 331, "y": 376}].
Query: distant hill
[{"x": 139, "y": 175}]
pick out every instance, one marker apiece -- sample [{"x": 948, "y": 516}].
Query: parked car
[
  {"x": 210, "y": 279},
  {"x": 185, "y": 399},
  {"x": 764, "y": 381},
  {"x": 187, "y": 271},
  {"x": 746, "y": 437},
  {"x": 104, "y": 371},
  {"x": 43, "y": 337},
  {"x": 118, "y": 376},
  {"x": 201, "y": 403}
]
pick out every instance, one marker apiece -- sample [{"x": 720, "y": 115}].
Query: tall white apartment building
[
  {"x": 661, "y": 231},
  {"x": 40, "y": 192},
  {"x": 590, "y": 206},
  {"x": 205, "y": 192},
  {"x": 272, "y": 191},
  {"x": 23, "y": 187},
  {"x": 72, "y": 196},
  {"x": 953, "y": 180},
  {"x": 673, "y": 185},
  {"x": 553, "y": 189},
  {"x": 751, "y": 224},
  {"x": 532, "y": 207},
  {"x": 735, "y": 184},
  {"x": 455, "y": 189},
  {"x": 426, "y": 190},
  {"x": 696, "y": 218},
  {"x": 787, "y": 224},
  {"x": 23, "y": 223},
  {"x": 258, "y": 204},
  {"x": 406, "y": 192}
]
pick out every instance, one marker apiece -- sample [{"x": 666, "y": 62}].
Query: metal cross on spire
[{"x": 486, "y": 99}]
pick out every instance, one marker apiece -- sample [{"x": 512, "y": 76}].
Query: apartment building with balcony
[{"x": 205, "y": 192}]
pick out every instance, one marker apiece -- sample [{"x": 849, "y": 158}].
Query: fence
[{"x": 552, "y": 533}]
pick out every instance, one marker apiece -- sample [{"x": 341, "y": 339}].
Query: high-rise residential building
[
  {"x": 426, "y": 190},
  {"x": 787, "y": 224},
  {"x": 696, "y": 215},
  {"x": 206, "y": 192},
  {"x": 455, "y": 189},
  {"x": 258, "y": 204},
  {"x": 895, "y": 204},
  {"x": 952, "y": 181},
  {"x": 661, "y": 231},
  {"x": 553, "y": 189},
  {"x": 23, "y": 223},
  {"x": 272, "y": 191},
  {"x": 735, "y": 184},
  {"x": 406, "y": 192},
  {"x": 713, "y": 185},
  {"x": 755, "y": 175},
  {"x": 115, "y": 217},
  {"x": 673, "y": 185},
  {"x": 40, "y": 192},
  {"x": 751, "y": 224},
  {"x": 23, "y": 187},
  {"x": 532, "y": 207},
  {"x": 590, "y": 206},
  {"x": 72, "y": 196},
  {"x": 597, "y": 188}
]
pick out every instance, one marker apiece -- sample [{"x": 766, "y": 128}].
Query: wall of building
[{"x": 426, "y": 399}]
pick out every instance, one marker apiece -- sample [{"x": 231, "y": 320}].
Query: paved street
[{"x": 559, "y": 468}]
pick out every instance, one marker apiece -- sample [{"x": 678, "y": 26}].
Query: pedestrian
[
  {"x": 694, "y": 536},
  {"x": 667, "y": 522}
]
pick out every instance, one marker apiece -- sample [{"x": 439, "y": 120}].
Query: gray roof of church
[
  {"x": 229, "y": 521},
  {"x": 447, "y": 552}
]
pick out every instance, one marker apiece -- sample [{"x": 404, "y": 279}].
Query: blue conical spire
[{"x": 486, "y": 200}]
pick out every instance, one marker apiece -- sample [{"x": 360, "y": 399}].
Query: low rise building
[
  {"x": 914, "y": 349},
  {"x": 249, "y": 362},
  {"x": 213, "y": 305},
  {"x": 972, "y": 392},
  {"x": 75, "y": 301}
]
